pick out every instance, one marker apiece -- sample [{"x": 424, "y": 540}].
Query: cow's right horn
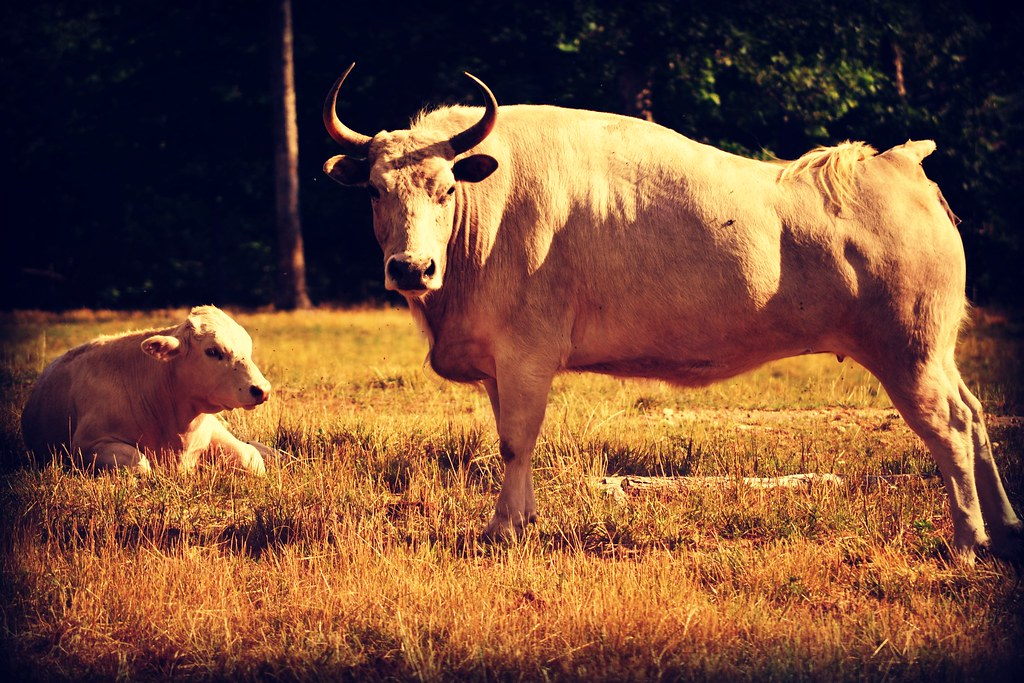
[
  {"x": 354, "y": 142},
  {"x": 475, "y": 134}
]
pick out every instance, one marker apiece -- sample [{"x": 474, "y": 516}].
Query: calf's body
[{"x": 149, "y": 397}]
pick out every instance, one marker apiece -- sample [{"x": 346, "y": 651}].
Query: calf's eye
[{"x": 215, "y": 353}]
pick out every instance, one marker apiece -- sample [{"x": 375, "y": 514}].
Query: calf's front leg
[{"x": 233, "y": 451}]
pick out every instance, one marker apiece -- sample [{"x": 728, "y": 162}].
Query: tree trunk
[
  {"x": 290, "y": 290},
  {"x": 635, "y": 89},
  {"x": 897, "y": 62}
]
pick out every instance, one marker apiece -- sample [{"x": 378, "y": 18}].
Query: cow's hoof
[
  {"x": 1009, "y": 546},
  {"x": 963, "y": 557},
  {"x": 499, "y": 531},
  {"x": 503, "y": 529}
]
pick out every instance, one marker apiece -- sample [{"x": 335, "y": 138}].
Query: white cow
[
  {"x": 546, "y": 239},
  {"x": 131, "y": 399}
]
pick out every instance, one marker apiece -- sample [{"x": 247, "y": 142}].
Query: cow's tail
[
  {"x": 833, "y": 170},
  {"x": 953, "y": 218}
]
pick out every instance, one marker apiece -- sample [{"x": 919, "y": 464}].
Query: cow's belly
[
  {"x": 688, "y": 372},
  {"x": 690, "y": 356},
  {"x": 682, "y": 371}
]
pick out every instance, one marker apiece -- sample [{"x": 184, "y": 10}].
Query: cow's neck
[
  {"x": 429, "y": 314},
  {"x": 468, "y": 249},
  {"x": 168, "y": 405},
  {"x": 452, "y": 318}
]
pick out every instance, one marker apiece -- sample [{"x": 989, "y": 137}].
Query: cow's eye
[
  {"x": 373, "y": 192},
  {"x": 215, "y": 353},
  {"x": 451, "y": 190}
]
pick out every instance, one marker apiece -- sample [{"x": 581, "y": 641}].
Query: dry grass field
[{"x": 356, "y": 557}]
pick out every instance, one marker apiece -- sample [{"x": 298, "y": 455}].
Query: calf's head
[
  {"x": 414, "y": 179},
  {"x": 212, "y": 361}
]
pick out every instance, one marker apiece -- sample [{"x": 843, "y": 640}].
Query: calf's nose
[{"x": 259, "y": 393}]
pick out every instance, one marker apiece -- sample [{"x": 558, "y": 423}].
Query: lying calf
[{"x": 129, "y": 399}]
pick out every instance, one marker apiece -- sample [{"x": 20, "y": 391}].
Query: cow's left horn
[
  {"x": 475, "y": 134},
  {"x": 352, "y": 141}
]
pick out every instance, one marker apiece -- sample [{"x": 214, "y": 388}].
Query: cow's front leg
[{"x": 518, "y": 397}]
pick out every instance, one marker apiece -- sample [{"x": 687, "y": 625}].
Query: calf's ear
[
  {"x": 348, "y": 170},
  {"x": 162, "y": 347},
  {"x": 475, "y": 168}
]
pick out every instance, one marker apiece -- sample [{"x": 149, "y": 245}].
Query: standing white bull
[
  {"x": 127, "y": 399},
  {"x": 583, "y": 241}
]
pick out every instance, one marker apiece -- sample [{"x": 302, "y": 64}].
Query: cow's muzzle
[{"x": 408, "y": 273}]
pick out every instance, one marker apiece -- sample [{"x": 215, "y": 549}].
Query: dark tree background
[{"x": 138, "y": 137}]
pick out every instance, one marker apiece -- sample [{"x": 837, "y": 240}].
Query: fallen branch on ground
[{"x": 619, "y": 487}]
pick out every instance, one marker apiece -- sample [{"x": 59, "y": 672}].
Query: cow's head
[
  {"x": 212, "y": 357},
  {"x": 414, "y": 179}
]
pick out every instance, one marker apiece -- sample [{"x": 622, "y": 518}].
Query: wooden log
[{"x": 619, "y": 487}]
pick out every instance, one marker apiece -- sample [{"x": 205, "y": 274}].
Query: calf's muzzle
[{"x": 260, "y": 393}]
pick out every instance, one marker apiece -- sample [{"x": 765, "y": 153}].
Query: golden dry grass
[{"x": 357, "y": 558}]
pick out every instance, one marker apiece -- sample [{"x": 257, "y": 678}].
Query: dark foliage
[{"x": 138, "y": 136}]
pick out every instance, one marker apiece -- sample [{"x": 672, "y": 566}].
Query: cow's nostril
[
  {"x": 431, "y": 269},
  {"x": 257, "y": 393},
  {"x": 397, "y": 269}
]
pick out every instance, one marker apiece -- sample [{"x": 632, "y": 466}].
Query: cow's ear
[
  {"x": 475, "y": 168},
  {"x": 162, "y": 347},
  {"x": 348, "y": 170}
]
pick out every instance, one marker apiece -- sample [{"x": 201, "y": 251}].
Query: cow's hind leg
[
  {"x": 1004, "y": 527},
  {"x": 935, "y": 403}
]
